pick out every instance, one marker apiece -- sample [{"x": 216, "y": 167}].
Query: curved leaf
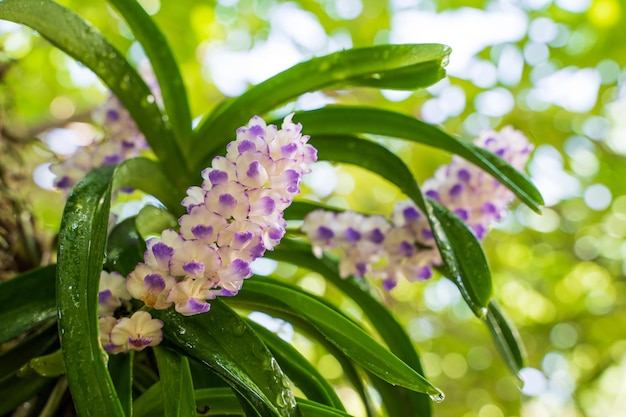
[
  {"x": 383, "y": 66},
  {"x": 176, "y": 384},
  {"x": 301, "y": 254},
  {"x": 353, "y": 341},
  {"x": 125, "y": 247},
  {"x": 84, "y": 43},
  {"x": 347, "y": 120},
  {"x": 82, "y": 241},
  {"x": 33, "y": 345},
  {"x": 507, "y": 339},
  {"x": 164, "y": 65},
  {"x": 468, "y": 270},
  {"x": 304, "y": 375},
  {"x": 148, "y": 176},
  {"x": 19, "y": 313},
  {"x": 17, "y": 390},
  {"x": 223, "y": 341}
]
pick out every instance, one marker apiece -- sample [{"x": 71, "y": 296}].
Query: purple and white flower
[{"x": 404, "y": 246}]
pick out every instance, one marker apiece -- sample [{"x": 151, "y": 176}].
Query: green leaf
[
  {"x": 507, "y": 339},
  {"x": 346, "y": 120},
  {"x": 223, "y": 341},
  {"x": 304, "y": 375},
  {"x": 153, "y": 220},
  {"x": 50, "y": 365},
  {"x": 353, "y": 341},
  {"x": 398, "y": 398},
  {"x": 148, "y": 176},
  {"x": 473, "y": 277},
  {"x": 121, "y": 370},
  {"x": 176, "y": 385},
  {"x": 17, "y": 390},
  {"x": 125, "y": 247},
  {"x": 35, "y": 344},
  {"x": 84, "y": 43},
  {"x": 454, "y": 239},
  {"x": 383, "y": 66},
  {"x": 164, "y": 65},
  {"x": 82, "y": 240},
  {"x": 20, "y": 313}
]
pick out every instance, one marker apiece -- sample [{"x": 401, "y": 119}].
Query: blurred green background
[{"x": 554, "y": 69}]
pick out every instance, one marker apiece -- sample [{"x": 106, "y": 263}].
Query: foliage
[{"x": 224, "y": 348}]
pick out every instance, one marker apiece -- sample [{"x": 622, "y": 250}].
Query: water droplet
[
  {"x": 482, "y": 314},
  {"x": 125, "y": 83},
  {"x": 239, "y": 329},
  {"x": 376, "y": 76},
  {"x": 182, "y": 330},
  {"x": 437, "y": 396},
  {"x": 150, "y": 98}
]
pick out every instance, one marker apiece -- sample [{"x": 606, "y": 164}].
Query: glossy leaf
[
  {"x": 468, "y": 270},
  {"x": 176, "y": 384},
  {"x": 353, "y": 341},
  {"x": 84, "y": 43},
  {"x": 383, "y": 66},
  {"x": 223, "y": 341},
  {"x": 507, "y": 339},
  {"x": 19, "y": 313},
  {"x": 340, "y": 120},
  {"x": 121, "y": 371},
  {"x": 304, "y": 375},
  {"x": 81, "y": 250},
  {"x": 17, "y": 390},
  {"x": 164, "y": 65},
  {"x": 391, "y": 332}
]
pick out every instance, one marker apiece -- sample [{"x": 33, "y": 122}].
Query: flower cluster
[
  {"x": 405, "y": 247},
  {"x": 123, "y": 334},
  {"x": 121, "y": 139},
  {"x": 231, "y": 220}
]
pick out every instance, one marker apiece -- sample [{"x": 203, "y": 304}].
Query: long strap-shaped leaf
[
  {"x": 176, "y": 384},
  {"x": 383, "y": 66},
  {"x": 464, "y": 260},
  {"x": 353, "y": 341},
  {"x": 81, "y": 250},
  {"x": 68, "y": 32},
  {"x": 301, "y": 254},
  {"x": 340, "y": 120},
  {"x": 304, "y": 375},
  {"x": 20, "y": 313},
  {"x": 164, "y": 65},
  {"x": 223, "y": 341}
]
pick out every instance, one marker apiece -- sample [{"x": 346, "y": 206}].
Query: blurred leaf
[
  {"x": 223, "y": 341},
  {"x": 17, "y": 390},
  {"x": 51, "y": 365},
  {"x": 121, "y": 370},
  {"x": 383, "y": 66},
  {"x": 84, "y": 43},
  {"x": 304, "y": 375},
  {"x": 82, "y": 240},
  {"x": 398, "y": 398},
  {"x": 164, "y": 65},
  {"x": 176, "y": 384},
  {"x": 507, "y": 339},
  {"x": 20, "y": 313},
  {"x": 346, "y": 120},
  {"x": 153, "y": 220},
  {"x": 33, "y": 345},
  {"x": 353, "y": 341},
  {"x": 464, "y": 261},
  {"x": 125, "y": 247},
  {"x": 149, "y": 176}
]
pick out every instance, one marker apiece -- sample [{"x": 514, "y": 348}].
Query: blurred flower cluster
[{"x": 404, "y": 246}]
